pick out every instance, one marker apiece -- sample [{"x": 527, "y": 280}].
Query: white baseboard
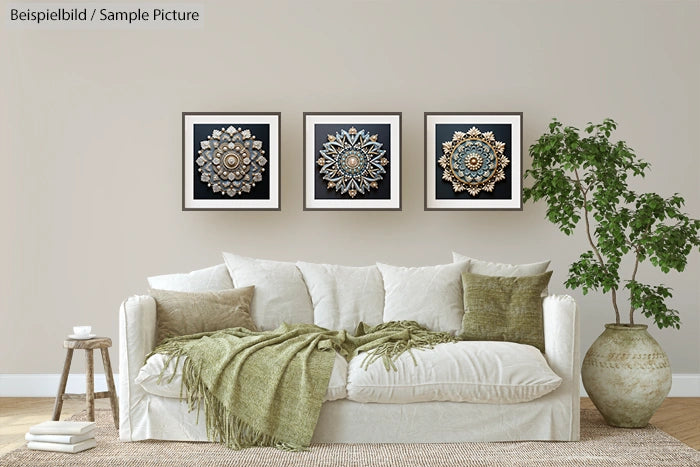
[
  {"x": 46, "y": 385},
  {"x": 683, "y": 385},
  {"x": 33, "y": 385}
]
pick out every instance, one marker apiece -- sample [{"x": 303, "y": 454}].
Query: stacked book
[{"x": 63, "y": 436}]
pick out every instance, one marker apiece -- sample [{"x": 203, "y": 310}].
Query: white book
[
  {"x": 66, "y": 427},
  {"x": 63, "y": 439},
  {"x": 81, "y": 446}
]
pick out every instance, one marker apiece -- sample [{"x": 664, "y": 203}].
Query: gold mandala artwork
[{"x": 473, "y": 161}]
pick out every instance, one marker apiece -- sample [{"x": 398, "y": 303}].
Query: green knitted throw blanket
[{"x": 266, "y": 388}]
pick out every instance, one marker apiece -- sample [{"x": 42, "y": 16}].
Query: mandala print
[
  {"x": 231, "y": 161},
  {"x": 473, "y": 161},
  {"x": 352, "y": 162}
]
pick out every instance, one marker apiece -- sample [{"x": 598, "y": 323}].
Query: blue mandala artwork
[
  {"x": 231, "y": 161},
  {"x": 473, "y": 161},
  {"x": 352, "y": 162}
]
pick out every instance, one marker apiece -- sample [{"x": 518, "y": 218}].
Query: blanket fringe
[{"x": 418, "y": 338}]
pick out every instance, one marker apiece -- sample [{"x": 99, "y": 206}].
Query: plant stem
[
  {"x": 634, "y": 274},
  {"x": 613, "y": 291}
]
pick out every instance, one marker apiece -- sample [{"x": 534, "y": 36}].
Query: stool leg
[
  {"x": 58, "y": 405},
  {"x": 90, "y": 385},
  {"x": 110, "y": 386}
]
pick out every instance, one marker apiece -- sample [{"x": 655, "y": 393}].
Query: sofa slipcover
[{"x": 554, "y": 416}]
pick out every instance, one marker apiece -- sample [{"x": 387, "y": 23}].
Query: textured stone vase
[{"x": 627, "y": 375}]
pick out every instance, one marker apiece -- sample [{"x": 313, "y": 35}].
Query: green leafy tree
[{"x": 583, "y": 175}]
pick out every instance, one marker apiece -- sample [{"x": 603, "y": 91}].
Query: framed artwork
[
  {"x": 230, "y": 161},
  {"x": 473, "y": 161},
  {"x": 352, "y": 161}
]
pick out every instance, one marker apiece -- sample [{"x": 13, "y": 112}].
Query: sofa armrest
[
  {"x": 137, "y": 334},
  {"x": 562, "y": 349},
  {"x": 561, "y": 336}
]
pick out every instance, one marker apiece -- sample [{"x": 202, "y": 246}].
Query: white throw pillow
[
  {"x": 343, "y": 296},
  {"x": 210, "y": 279},
  {"x": 468, "y": 371},
  {"x": 280, "y": 292},
  {"x": 167, "y": 383},
  {"x": 487, "y": 268},
  {"x": 430, "y": 295}
]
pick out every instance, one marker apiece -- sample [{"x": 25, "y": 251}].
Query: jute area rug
[{"x": 600, "y": 445}]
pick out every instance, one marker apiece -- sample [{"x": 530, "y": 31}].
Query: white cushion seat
[
  {"x": 470, "y": 371},
  {"x": 150, "y": 374}
]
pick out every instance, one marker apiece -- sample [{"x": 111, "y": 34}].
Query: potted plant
[{"x": 583, "y": 178}]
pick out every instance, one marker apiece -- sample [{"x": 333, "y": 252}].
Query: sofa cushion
[
  {"x": 430, "y": 295},
  {"x": 504, "y": 308},
  {"x": 343, "y": 296},
  {"x": 202, "y": 280},
  {"x": 480, "y": 372},
  {"x": 280, "y": 291},
  {"x": 150, "y": 378},
  {"x": 182, "y": 313},
  {"x": 487, "y": 268}
]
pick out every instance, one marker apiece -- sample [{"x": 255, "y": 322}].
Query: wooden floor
[
  {"x": 680, "y": 417},
  {"x": 17, "y": 414},
  {"x": 677, "y": 416}
]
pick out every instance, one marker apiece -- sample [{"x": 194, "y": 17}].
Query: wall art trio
[{"x": 352, "y": 161}]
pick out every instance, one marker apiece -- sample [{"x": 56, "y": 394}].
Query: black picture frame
[
  {"x": 257, "y": 182},
  {"x": 445, "y": 189}
]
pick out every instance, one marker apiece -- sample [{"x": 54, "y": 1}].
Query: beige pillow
[{"x": 182, "y": 313}]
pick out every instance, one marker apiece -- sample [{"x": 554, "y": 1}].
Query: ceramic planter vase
[{"x": 627, "y": 375}]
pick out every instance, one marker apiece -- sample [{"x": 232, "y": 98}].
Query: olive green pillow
[
  {"x": 182, "y": 313},
  {"x": 504, "y": 308}
]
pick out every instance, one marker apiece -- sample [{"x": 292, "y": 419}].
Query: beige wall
[{"x": 91, "y": 142}]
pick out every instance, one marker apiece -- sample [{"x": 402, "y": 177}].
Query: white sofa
[{"x": 554, "y": 416}]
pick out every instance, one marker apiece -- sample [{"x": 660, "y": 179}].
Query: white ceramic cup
[{"x": 82, "y": 331}]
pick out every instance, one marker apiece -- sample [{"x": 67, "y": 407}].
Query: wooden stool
[{"x": 102, "y": 343}]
